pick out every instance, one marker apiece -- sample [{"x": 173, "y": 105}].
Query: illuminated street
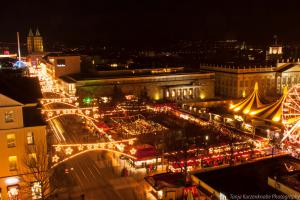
[{"x": 149, "y": 100}]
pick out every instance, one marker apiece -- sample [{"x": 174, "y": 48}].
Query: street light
[{"x": 206, "y": 137}]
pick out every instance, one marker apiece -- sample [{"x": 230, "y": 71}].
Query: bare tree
[{"x": 35, "y": 171}]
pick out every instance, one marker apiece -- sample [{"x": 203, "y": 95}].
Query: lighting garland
[{"x": 66, "y": 151}]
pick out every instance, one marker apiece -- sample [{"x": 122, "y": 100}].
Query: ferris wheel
[{"x": 291, "y": 115}]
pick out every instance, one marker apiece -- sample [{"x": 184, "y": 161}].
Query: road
[
  {"x": 100, "y": 180},
  {"x": 93, "y": 173}
]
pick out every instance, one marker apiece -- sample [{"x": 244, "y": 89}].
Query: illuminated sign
[{"x": 60, "y": 62}]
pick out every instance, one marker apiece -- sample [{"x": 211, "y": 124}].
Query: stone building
[
  {"x": 236, "y": 81},
  {"x": 175, "y": 84},
  {"x": 35, "y": 42}
]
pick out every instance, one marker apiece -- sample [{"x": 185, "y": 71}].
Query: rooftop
[
  {"x": 32, "y": 117},
  {"x": 291, "y": 180},
  {"x": 159, "y": 181},
  {"x": 241, "y": 64},
  {"x": 249, "y": 178},
  {"x": 130, "y": 74},
  {"x": 22, "y": 89}
]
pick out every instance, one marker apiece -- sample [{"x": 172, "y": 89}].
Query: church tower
[
  {"x": 30, "y": 41},
  {"x": 38, "y": 46}
]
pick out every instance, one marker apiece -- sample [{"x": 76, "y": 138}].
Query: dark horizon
[{"x": 155, "y": 23}]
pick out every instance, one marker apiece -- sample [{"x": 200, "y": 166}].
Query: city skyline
[
  {"x": 149, "y": 100},
  {"x": 144, "y": 23}
]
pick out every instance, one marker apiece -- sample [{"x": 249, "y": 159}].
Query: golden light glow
[
  {"x": 173, "y": 93},
  {"x": 247, "y": 105},
  {"x": 237, "y": 109},
  {"x": 55, "y": 159},
  {"x": 202, "y": 96},
  {"x": 276, "y": 118},
  {"x": 156, "y": 96},
  {"x": 246, "y": 111},
  {"x": 133, "y": 151},
  {"x": 69, "y": 151}
]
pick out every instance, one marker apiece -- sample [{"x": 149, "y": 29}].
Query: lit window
[
  {"x": 13, "y": 192},
  {"x": 30, "y": 138},
  {"x": 190, "y": 92},
  {"x": 12, "y": 163},
  {"x": 184, "y": 92},
  {"x": 11, "y": 140},
  {"x": 173, "y": 93},
  {"x": 167, "y": 94},
  {"x": 36, "y": 190},
  {"x": 32, "y": 159},
  {"x": 9, "y": 116}
]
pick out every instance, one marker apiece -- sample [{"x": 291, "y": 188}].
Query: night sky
[{"x": 152, "y": 22}]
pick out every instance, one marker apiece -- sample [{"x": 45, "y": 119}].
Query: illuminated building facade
[
  {"x": 58, "y": 65},
  {"x": 35, "y": 42},
  {"x": 238, "y": 81},
  {"x": 174, "y": 84},
  {"x": 21, "y": 128}
]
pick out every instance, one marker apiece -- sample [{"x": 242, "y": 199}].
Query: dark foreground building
[{"x": 264, "y": 179}]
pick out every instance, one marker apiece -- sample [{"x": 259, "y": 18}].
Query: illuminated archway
[
  {"x": 85, "y": 151},
  {"x": 64, "y": 152},
  {"x": 64, "y": 114}
]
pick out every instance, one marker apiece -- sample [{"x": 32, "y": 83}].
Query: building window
[
  {"x": 13, "y": 192},
  {"x": 11, "y": 140},
  {"x": 167, "y": 93},
  {"x": 241, "y": 83},
  {"x": 9, "y": 116},
  {"x": 30, "y": 138},
  {"x": 173, "y": 93},
  {"x": 184, "y": 92},
  {"x": 32, "y": 159},
  {"x": 12, "y": 163}
]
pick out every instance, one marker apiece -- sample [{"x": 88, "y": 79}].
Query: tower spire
[
  {"x": 30, "y": 34},
  {"x": 37, "y": 33}
]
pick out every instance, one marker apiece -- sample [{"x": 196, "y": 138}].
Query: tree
[{"x": 35, "y": 170}]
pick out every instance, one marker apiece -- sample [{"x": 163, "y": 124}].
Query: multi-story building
[
  {"x": 35, "y": 42},
  {"x": 21, "y": 130},
  {"x": 58, "y": 65},
  {"x": 236, "y": 81}
]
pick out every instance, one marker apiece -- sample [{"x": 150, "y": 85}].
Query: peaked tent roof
[
  {"x": 271, "y": 112},
  {"x": 252, "y": 102}
]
